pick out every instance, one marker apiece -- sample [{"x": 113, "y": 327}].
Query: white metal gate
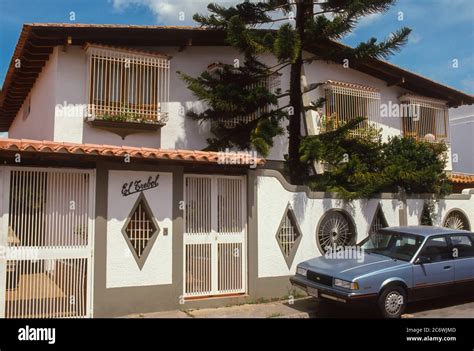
[
  {"x": 47, "y": 232},
  {"x": 214, "y": 235}
]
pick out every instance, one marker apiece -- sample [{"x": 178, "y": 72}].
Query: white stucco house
[
  {"x": 124, "y": 215},
  {"x": 462, "y": 131}
]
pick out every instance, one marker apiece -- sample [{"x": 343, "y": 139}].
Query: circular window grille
[
  {"x": 456, "y": 220},
  {"x": 335, "y": 229}
]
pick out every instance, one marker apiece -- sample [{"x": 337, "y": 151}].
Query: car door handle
[{"x": 447, "y": 267}]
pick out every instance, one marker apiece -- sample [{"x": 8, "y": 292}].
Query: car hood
[{"x": 349, "y": 269}]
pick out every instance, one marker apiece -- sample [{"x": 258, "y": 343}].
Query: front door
[
  {"x": 436, "y": 277},
  {"x": 47, "y": 229},
  {"x": 214, "y": 235}
]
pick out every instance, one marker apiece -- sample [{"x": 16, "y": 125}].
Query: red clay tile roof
[
  {"x": 462, "y": 178},
  {"x": 116, "y": 151}
]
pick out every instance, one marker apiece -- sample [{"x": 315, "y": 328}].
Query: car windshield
[{"x": 395, "y": 245}]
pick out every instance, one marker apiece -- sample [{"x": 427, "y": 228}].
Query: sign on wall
[
  {"x": 138, "y": 185},
  {"x": 126, "y": 190}
]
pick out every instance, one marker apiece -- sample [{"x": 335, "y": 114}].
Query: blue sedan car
[{"x": 396, "y": 265}]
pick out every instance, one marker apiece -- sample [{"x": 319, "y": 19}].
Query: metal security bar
[
  {"x": 140, "y": 228},
  {"x": 425, "y": 118},
  {"x": 127, "y": 85},
  {"x": 287, "y": 235},
  {"x": 229, "y": 205},
  {"x": 378, "y": 223},
  {"x": 230, "y": 267},
  {"x": 198, "y": 205},
  {"x": 50, "y": 288},
  {"x": 48, "y": 226},
  {"x": 344, "y": 104},
  {"x": 198, "y": 269},
  {"x": 48, "y": 209},
  {"x": 214, "y": 237}
]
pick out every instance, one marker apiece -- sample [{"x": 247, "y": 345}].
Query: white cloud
[
  {"x": 414, "y": 38},
  {"x": 370, "y": 19},
  {"x": 171, "y": 12},
  {"x": 365, "y": 22}
]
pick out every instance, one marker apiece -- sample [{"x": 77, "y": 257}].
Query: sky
[{"x": 441, "y": 46}]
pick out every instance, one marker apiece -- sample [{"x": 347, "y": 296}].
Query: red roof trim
[
  {"x": 462, "y": 178},
  {"x": 118, "y": 151}
]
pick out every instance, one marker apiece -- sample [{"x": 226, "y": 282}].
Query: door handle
[{"x": 447, "y": 267}]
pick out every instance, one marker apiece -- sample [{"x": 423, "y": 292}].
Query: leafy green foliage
[
  {"x": 322, "y": 28},
  {"x": 286, "y": 45},
  {"x": 126, "y": 114},
  {"x": 417, "y": 166},
  {"x": 230, "y": 93},
  {"x": 384, "y": 49},
  {"x": 244, "y": 25},
  {"x": 427, "y": 214},
  {"x": 358, "y": 8},
  {"x": 362, "y": 165}
]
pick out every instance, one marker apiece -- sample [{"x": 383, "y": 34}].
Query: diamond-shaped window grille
[
  {"x": 288, "y": 235},
  {"x": 141, "y": 230},
  {"x": 378, "y": 223}
]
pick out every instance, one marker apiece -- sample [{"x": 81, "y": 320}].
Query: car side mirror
[{"x": 423, "y": 260}]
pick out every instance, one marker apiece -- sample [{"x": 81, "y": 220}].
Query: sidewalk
[
  {"x": 300, "y": 308},
  {"x": 460, "y": 306}
]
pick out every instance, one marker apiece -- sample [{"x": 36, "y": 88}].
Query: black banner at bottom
[{"x": 327, "y": 334}]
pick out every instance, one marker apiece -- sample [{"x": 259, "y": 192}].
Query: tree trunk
[{"x": 303, "y": 8}]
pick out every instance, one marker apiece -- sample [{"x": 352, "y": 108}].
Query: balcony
[
  {"x": 348, "y": 101},
  {"x": 126, "y": 120},
  {"x": 425, "y": 119}
]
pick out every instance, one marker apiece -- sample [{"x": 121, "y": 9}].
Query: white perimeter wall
[
  {"x": 272, "y": 199},
  {"x": 442, "y": 207},
  {"x": 122, "y": 268},
  {"x": 462, "y": 138}
]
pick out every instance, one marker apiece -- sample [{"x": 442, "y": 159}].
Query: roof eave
[{"x": 40, "y": 39}]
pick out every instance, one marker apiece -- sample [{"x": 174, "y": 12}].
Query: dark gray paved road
[{"x": 460, "y": 306}]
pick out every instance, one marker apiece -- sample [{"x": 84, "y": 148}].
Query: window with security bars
[
  {"x": 347, "y": 101},
  {"x": 127, "y": 85},
  {"x": 288, "y": 234},
  {"x": 378, "y": 223},
  {"x": 424, "y": 118},
  {"x": 140, "y": 227}
]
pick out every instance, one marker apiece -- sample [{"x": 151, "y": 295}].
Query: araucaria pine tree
[
  {"x": 304, "y": 24},
  {"x": 241, "y": 106}
]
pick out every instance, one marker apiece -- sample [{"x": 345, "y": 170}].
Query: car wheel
[{"x": 392, "y": 302}]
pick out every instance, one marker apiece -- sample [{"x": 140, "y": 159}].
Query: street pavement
[{"x": 460, "y": 306}]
